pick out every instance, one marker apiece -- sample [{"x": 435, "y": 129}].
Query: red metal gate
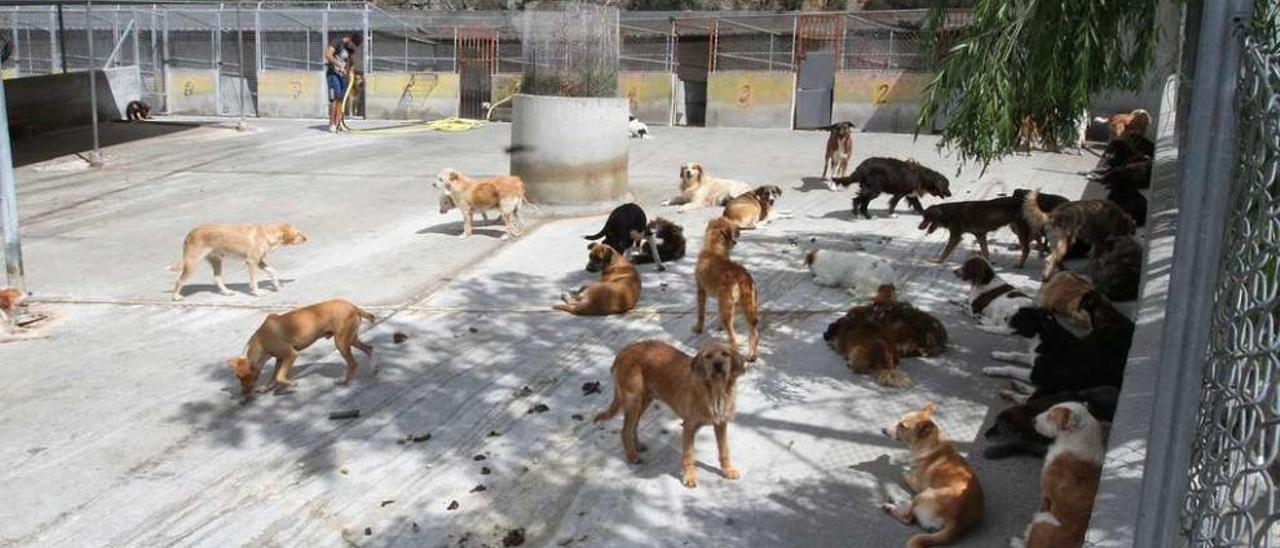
[
  {"x": 819, "y": 32},
  {"x": 476, "y": 52}
]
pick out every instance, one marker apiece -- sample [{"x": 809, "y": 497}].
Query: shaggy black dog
[
  {"x": 1063, "y": 363},
  {"x": 1014, "y": 431},
  {"x": 901, "y": 179},
  {"x": 1131, "y": 201},
  {"x": 1133, "y": 175},
  {"x": 1125, "y": 150}
]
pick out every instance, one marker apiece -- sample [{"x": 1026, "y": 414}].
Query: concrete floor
[{"x": 121, "y": 427}]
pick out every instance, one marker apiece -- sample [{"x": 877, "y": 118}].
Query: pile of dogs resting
[{"x": 1065, "y": 383}]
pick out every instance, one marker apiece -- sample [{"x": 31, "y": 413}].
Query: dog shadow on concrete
[
  {"x": 809, "y": 184},
  {"x": 480, "y": 228},
  {"x": 242, "y": 288}
]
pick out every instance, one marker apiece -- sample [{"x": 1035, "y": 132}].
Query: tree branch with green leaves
[{"x": 1039, "y": 60}]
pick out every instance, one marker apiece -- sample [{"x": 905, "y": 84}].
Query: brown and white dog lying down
[
  {"x": 699, "y": 389},
  {"x": 947, "y": 497},
  {"x": 250, "y": 243},
  {"x": 1091, "y": 221},
  {"x": 978, "y": 218},
  {"x": 1126, "y": 123},
  {"x": 504, "y": 193},
  {"x": 697, "y": 189},
  {"x": 617, "y": 291},
  {"x": 664, "y": 236},
  {"x": 727, "y": 281},
  {"x": 866, "y": 346},
  {"x": 282, "y": 336},
  {"x": 992, "y": 300},
  {"x": 755, "y": 208},
  {"x": 1069, "y": 479},
  {"x": 839, "y": 149},
  {"x": 1061, "y": 295},
  {"x": 10, "y": 298}
]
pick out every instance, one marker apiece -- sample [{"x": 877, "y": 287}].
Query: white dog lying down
[
  {"x": 638, "y": 129},
  {"x": 860, "y": 273}
]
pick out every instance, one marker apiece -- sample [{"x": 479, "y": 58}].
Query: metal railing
[{"x": 1235, "y": 456}]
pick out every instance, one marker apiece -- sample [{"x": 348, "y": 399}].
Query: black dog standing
[{"x": 901, "y": 179}]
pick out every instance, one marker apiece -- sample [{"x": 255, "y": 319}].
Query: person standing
[{"x": 339, "y": 60}]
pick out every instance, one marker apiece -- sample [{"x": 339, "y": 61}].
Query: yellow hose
[
  {"x": 450, "y": 124},
  {"x": 346, "y": 98}
]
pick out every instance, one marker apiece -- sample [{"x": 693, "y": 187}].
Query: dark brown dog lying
[
  {"x": 1091, "y": 221},
  {"x": 978, "y": 218},
  {"x": 666, "y": 236},
  {"x": 281, "y": 336},
  {"x": 867, "y": 347},
  {"x": 617, "y": 291},
  {"x": 699, "y": 389},
  {"x": 912, "y": 331},
  {"x": 728, "y": 282}
]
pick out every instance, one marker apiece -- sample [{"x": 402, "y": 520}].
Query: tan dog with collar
[
  {"x": 282, "y": 336},
  {"x": 947, "y": 496},
  {"x": 617, "y": 291},
  {"x": 699, "y": 389},
  {"x": 248, "y": 242},
  {"x": 728, "y": 282}
]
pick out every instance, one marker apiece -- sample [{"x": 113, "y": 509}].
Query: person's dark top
[{"x": 341, "y": 51}]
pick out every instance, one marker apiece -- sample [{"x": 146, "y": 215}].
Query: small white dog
[
  {"x": 1069, "y": 479},
  {"x": 991, "y": 299},
  {"x": 638, "y": 129},
  {"x": 861, "y": 274}
]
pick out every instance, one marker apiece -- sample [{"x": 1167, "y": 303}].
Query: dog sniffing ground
[{"x": 122, "y": 427}]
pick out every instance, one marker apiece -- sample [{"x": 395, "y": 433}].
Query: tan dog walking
[
  {"x": 282, "y": 336},
  {"x": 699, "y": 389},
  {"x": 504, "y": 193},
  {"x": 248, "y": 242}
]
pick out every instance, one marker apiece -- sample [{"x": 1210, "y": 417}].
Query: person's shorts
[{"x": 337, "y": 86}]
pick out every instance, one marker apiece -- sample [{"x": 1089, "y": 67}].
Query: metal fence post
[
  {"x": 17, "y": 46},
  {"x": 243, "y": 83},
  {"x": 137, "y": 48},
  {"x": 9, "y": 205},
  {"x": 216, "y": 37},
  {"x": 1208, "y": 163},
  {"x": 55, "y": 16},
  {"x": 95, "y": 159}
]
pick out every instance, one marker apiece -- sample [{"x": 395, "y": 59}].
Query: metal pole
[
  {"x": 243, "y": 83},
  {"x": 95, "y": 159},
  {"x": 62, "y": 40},
  {"x": 137, "y": 48},
  {"x": 9, "y": 205},
  {"x": 216, "y": 43}
]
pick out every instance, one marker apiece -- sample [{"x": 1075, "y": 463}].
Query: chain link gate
[{"x": 1232, "y": 493}]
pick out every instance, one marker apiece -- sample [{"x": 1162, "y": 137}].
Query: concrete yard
[{"x": 122, "y": 426}]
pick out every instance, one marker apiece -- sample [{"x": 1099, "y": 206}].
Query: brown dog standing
[
  {"x": 249, "y": 242},
  {"x": 947, "y": 495},
  {"x": 699, "y": 389},
  {"x": 839, "y": 150},
  {"x": 282, "y": 336},
  {"x": 729, "y": 282},
  {"x": 617, "y": 291}
]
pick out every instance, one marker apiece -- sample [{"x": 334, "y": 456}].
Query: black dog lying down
[
  {"x": 900, "y": 179},
  {"x": 666, "y": 236},
  {"x": 1014, "y": 431},
  {"x": 1061, "y": 362}
]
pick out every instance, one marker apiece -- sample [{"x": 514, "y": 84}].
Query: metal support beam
[
  {"x": 9, "y": 205},
  {"x": 95, "y": 158},
  {"x": 243, "y": 82},
  {"x": 1209, "y": 163}
]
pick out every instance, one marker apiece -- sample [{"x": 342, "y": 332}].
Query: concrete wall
[
  {"x": 191, "y": 91},
  {"x": 879, "y": 101},
  {"x": 292, "y": 94},
  {"x": 756, "y": 99},
  {"x": 411, "y": 95},
  {"x": 60, "y": 101},
  {"x": 649, "y": 94}
]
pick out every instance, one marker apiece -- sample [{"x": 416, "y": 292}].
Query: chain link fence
[{"x": 1232, "y": 494}]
